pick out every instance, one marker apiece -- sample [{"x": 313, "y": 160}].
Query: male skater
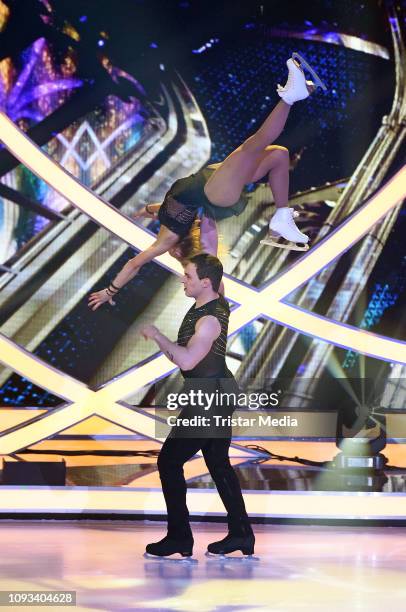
[{"x": 200, "y": 354}]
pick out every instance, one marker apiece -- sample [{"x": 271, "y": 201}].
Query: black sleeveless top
[
  {"x": 186, "y": 197},
  {"x": 214, "y": 364}
]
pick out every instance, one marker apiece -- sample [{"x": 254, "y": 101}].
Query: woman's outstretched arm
[
  {"x": 165, "y": 240},
  {"x": 149, "y": 210}
]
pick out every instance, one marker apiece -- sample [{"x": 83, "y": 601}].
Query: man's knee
[
  {"x": 169, "y": 459},
  {"x": 166, "y": 462},
  {"x": 220, "y": 471},
  {"x": 217, "y": 464}
]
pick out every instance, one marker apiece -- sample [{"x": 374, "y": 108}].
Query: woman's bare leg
[
  {"x": 275, "y": 163},
  {"x": 278, "y": 180},
  {"x": 226, "y": 183}
]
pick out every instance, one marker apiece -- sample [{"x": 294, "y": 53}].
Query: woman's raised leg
[
  {"x": 275, "y": 164},
  {"x": 226, "y": 183}
]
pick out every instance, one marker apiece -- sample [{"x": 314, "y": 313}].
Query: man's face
[{"x": 193, "y": 285}]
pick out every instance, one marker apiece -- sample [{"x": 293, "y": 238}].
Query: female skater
[{"x": 219, "y": 189}]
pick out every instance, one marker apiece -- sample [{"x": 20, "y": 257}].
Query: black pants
[{"x": 174, "y": 453}]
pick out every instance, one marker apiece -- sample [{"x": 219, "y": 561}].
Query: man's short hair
[{"x": 208, "y": 266}]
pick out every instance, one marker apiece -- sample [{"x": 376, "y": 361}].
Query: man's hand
[
  {"x": 149, "y": 331},
  {"x": 98, "y": 298}
]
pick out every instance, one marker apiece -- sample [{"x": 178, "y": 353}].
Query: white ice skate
[
  {"x": 282, "y": 225},
  {"x": 297, "y": 88}
]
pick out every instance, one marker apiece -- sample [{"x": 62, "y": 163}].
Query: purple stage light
[{"x": 17, "y": 100}]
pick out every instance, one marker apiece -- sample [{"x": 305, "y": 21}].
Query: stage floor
[{"x": 297, "y": 567}]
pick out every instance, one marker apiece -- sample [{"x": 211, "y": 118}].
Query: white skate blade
[
  {"x": 291, "y": 246},
  {"x": 172, "y": 558},
  {"x": 316, "y": 79},
  {"x": 229, "y": 557}
]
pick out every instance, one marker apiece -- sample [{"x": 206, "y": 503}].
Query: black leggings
[{"x": 174, "y": 453}]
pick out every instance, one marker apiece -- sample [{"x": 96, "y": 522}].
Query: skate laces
[
  {"x": 291, "y": 222},
  {"x": 292, "y": 78},
  {"x": 290, "y": 217}
]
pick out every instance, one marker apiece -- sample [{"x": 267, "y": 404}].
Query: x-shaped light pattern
[{"x": 268, "y": 301}]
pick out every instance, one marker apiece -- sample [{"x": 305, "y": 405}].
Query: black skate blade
[{"x": 304, "y": 64}]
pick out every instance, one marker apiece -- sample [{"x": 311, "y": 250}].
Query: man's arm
[
  {"x": 187, "y": 357},
  {"x": 209, "y": 240},
  {"x": 208, "y": 235}
]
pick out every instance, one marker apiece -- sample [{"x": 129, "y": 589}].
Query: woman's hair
[{"x": 191, "y": 245}]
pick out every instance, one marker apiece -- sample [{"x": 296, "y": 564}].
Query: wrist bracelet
[
  {"x": 109, "y": 293},
  {"x": 114, "y": 287}
]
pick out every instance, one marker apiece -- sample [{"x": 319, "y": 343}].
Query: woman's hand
[
  {"x": 98, "y": 298},
  {"x": 143, "y": 212}
]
